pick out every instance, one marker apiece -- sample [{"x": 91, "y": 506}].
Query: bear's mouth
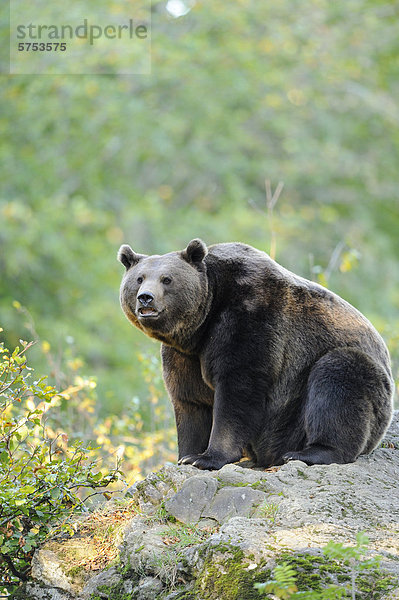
[{"x": 147, "y": 311}]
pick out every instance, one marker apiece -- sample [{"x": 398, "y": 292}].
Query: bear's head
[{"x": 165, "y": 296}]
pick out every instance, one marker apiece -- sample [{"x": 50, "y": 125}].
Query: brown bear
[{"x": 258, "y": 362}]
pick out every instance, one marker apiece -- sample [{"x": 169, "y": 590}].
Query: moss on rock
[
  {"x": 317, "y": 572},
  {"x": 228, "y": 574}
]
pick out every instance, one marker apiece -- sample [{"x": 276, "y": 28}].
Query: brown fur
[{"x": 257, "y": 360}]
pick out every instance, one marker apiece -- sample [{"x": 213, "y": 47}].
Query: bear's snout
[
  {"x": 146, "y": 305},
  {"x": 145, "y": 298}
]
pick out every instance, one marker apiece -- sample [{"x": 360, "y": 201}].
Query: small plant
[
  {"x": 268, "y": 510},
  {"x": 182, "y": 536},
  {"x": 176, "y": 538},
  {"x": 284, "y": 586},
  {"x": 352, "y": 559},
  {"x": 41, "y": 476}
]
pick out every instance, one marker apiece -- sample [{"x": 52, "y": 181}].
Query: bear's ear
[
  {"x": 195, "y": 251},
  {"x": 127, "y": 257}
]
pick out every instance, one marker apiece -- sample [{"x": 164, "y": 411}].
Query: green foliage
[
  {"x": 283, "y": 585},
  {"x": 41, "y": 477},
  {"x": 349, "y": 561},
  {"x": 268, "y": 510},
  {"x": 120, "y": 437},
  {"x": 353, "y": 555},
  {"x": 142, "y": 437}
]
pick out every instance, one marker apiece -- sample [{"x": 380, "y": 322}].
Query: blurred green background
[{"x": 300, "y": 93}]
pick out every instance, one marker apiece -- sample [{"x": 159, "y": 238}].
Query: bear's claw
[
  {"x": 289, "y": 456},
  {"x": 203, "y": 461}
]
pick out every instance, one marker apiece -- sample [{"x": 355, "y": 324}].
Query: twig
[
  {"x": 256, "y": 207},
  {"x": 271, "y": 201},
  {"x": 334, "y": 259},
  {"x": 14, "y": 571}
]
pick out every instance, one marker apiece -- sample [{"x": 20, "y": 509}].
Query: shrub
[{"x": 42, "y": 478}]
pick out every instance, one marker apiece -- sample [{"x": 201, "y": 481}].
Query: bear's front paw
[{"x": 205, "y": 461}]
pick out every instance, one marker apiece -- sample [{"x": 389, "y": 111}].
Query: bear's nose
[{"x": 145, "y": 298}]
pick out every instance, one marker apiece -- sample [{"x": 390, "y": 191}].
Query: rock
[
  {"x": 160, "y": 486},
  {"x": 251, "y": 536},
  {"x": 148, "y": 588},
  {"x": 237, "y": 475},
  {"x": 143, "y": 545},
  {"x": 109, "y": 578},
  {"x": 184, "y": 592},
  {"x": 391, "y": 439},
  {"x": 233, "y": 501},
  {"x": 196, "y": 493},
  {"x": 36, "y": 591},
  {"x": 233, "y": 559},
  {"x": 199, "y": 498},
  {"x": 211, "y": 535},
  {"x": 48, "y": 569}
]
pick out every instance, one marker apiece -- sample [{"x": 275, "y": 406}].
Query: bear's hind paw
[{"x": 317, "y": 455}]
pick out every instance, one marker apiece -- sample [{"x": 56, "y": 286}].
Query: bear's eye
[
  {"x": 166, "y": 280},
  {"x": 140, "y": 280}
]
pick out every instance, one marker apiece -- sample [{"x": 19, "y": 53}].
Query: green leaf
[
  {"x": 55, "y": 493},
  {"x": 20, "y": 501},
  {"x": 4, "y": 457},
  {"x": 28, "y": 489},
  {"x": 27, "y": 547}
]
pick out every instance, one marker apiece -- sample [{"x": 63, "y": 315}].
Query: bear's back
[{"x": 251, "y": 279}]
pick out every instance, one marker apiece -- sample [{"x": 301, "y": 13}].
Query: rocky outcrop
[{"x": 207, "y": 535}]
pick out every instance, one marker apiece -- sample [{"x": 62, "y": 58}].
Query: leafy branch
[{"x": 41, "y": 477}]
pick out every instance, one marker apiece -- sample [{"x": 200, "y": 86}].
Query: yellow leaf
[{"x": 45, "y": 347}]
